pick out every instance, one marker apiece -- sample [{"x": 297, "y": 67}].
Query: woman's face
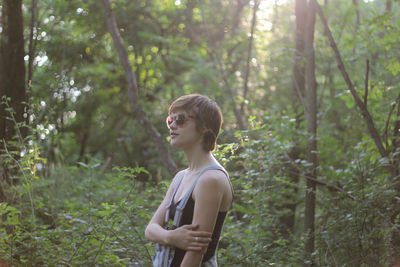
[{"x": 183, "y": 131}]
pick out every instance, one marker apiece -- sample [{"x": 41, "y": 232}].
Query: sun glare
[{"x": 265, "y": 11}]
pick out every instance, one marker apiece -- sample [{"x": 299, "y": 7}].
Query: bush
[{"x": 83, "y": 215}]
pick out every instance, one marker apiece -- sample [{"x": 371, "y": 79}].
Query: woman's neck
[{"x": 198, "y": 159}]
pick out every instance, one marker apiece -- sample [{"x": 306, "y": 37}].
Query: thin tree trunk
[
  {"x": 298, "y": 83},
  {"x": 2, "y": 76},
  {"x": 237, "y": 13},
  {"x": 396, "y": 138},
  {"x": 231, "y": 95},
  {"x": 31, "y": 50},
  {"x": 334, "y": 115},
  {"x": 249, "y": 49},
  {"x": 375, "y": 55},
  {"x": 287, "y": 221},
  {"x": 3, "y": 178},
  {"x": 274, "y": 17},
  {"x": 355, "y": 3},
  {"x": 155, "y": 136},
  {"x": 388, "y": 7},
  {"x": 357, "y": 25},
  {"x": 359, "y": 102},
  {"x": 311, "y": 116},
  {"x": 83, "y": 141}
]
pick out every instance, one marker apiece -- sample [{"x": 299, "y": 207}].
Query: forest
[{"x": 309, "y": 91}]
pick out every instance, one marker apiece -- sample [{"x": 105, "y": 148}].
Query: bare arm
[
  {"x": 154, "y": 231},
  {"x": 183, "y": 237},
  {"x": 208, "y": 195}
]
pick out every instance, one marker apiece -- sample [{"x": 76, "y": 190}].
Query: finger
[
  {"x": 195, "y": 248},
  {"x": 203, "y": 240},
  {"x": 197, "y": 239},
  {"x": 191, "y": 226},
  {"x": 203, "y": 234}
]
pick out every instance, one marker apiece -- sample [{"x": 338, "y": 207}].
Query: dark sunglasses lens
[{"x": 180, "y": 120}]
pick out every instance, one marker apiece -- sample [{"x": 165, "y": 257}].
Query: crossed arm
[
  {"x": 208, "y": 196},
  {"x": 193, "y": 238}
]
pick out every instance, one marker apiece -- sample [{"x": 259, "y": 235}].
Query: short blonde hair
[{"x": 207, "y": 115}]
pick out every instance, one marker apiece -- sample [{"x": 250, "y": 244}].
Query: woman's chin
[{"x": 175, "y": 144}]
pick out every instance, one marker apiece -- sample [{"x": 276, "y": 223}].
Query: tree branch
[
  {"x": 320, "y": 182},
  {"x": 366, "y": 83},
  {"x": 364, "y": 111},
  {"x": 396, "y": 130},
  {"x": 130, "y": 77},
  {"x": 385, "y": 134}
]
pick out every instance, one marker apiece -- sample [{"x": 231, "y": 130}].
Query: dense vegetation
[{"x": 82, "y": 168}]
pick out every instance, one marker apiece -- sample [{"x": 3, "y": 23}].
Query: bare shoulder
[{"x": 213, "y": 179}]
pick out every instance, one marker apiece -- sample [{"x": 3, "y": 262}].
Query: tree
[
  {"x": 388, "y": 153},
  {"x": 137, "y": 110},
  {"x": 287, "y": 221},
  {"x": 13, "y": 108},
  {"x": 311, "y": 116},
  {"x": 13, "y": 67}
]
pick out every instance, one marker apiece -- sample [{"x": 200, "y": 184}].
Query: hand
[{"x": 187, "y": 238}]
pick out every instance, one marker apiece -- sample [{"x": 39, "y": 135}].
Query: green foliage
[
  {"x": 353, "y": 226},
  {"x": 252, "y": 234},
  {"x": 84, "y": 215},
  {"x": 69, "y": 207}
]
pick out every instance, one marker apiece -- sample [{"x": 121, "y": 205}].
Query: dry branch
[
  {"x": 130, "y": 77},
  {"x": 364, "y": 111},
  {"x": 366, "y": 83}
]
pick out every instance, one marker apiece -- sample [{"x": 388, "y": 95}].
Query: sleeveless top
[{"x": 187, "y": 217}]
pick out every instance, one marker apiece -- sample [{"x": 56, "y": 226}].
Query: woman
[{"x": 203, "y": 190}]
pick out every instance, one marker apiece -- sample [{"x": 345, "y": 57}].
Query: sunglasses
[{"x": 179, "y": 119}]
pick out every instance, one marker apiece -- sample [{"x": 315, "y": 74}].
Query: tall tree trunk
[
  {"x": 2, "y": 122},
  {"x": 274, "y": 17},
  {"x": 298, "y": 83},
  {"x": 32, "y": 39},
  {"x": 236, "y": 15},
  {"x": 311, "y": 116},
  {"x": 13, "y": 69},
  {"x": 396, "y": 141},
  {"x": 357, "y": 25},
  {"x": 375, "y": 55},
  {"x": 249, "y": 49},
  {"x": 12, "y": 79},
  {"x": 155, "y": 136},
  {"x": 287, "y": 220},
  {"x": 2, "y": 76}
]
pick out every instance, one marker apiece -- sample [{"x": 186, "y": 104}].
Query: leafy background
[{"x": 88, "y": 178}]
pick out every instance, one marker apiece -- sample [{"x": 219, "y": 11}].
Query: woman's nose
[{"x": 172, "y": 125}]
